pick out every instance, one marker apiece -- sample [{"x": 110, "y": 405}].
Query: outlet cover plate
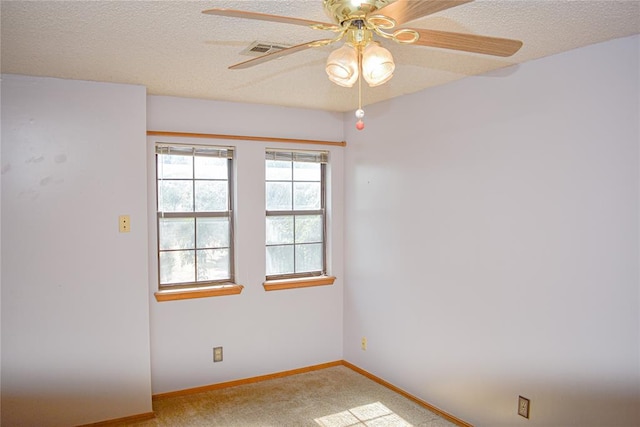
[
  {"x": 124, "y": 223},
  {"x": 217, "y": 354},
  {"x": 523, "y": 407}
]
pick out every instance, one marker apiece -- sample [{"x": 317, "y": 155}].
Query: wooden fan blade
[
  {"x": 403, "y": 11},
  {"x": 273, "y": 18},
  {"x": 275, "y": 55},
  {"x": 467, "y": 42}
]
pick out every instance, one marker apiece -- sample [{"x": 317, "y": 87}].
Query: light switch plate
[
  {"x": 217, "y": 354},
  {"x": 523, "y": 406}
]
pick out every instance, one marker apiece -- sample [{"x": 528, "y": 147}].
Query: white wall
[
  {"x": 491, "y": 242},
  {"x": 511, "y": 266},
  {"x": 75, "y": 311},
  {"x": 260, "y": 332},
  {"x": 1, "y": 164}
]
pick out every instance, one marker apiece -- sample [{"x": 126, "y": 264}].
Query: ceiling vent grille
[{"x": 258, "y": 48}]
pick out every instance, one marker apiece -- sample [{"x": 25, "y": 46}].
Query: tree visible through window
[
  {"x": 295, "y": 214},
  {"x": 195, "y": 244}
]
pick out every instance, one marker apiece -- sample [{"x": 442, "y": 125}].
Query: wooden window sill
[
  {"x": 199, "y": 292},
  {"x": 279, "y": 285}
]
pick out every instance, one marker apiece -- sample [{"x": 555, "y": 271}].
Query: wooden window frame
[{"x": 197, "y": 289}]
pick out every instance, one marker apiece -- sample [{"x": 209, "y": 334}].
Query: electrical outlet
[
  {"x": 363, "y": 344},
  {"x": 217, "y": 354},
  {"x": 523, "y": 406},
  {"x": 124, "y": 223}
]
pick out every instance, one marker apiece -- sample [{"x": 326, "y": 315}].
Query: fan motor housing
[{"x": 345, "y": 10}]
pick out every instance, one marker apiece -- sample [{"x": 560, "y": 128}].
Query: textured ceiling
[{"x": 173, "y": 49}]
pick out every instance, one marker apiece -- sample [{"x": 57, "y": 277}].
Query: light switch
[{"x": 217, "y": 354}]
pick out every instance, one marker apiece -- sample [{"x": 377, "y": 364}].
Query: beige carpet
[{"x": 332, "y": 397}]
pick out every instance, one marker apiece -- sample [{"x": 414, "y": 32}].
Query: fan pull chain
[{"x": 359, "y": 111}]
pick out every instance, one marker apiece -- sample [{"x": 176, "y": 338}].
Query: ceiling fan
[{"x": 358, "y": 22}]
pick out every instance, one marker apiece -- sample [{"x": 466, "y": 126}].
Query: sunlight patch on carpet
[{"x": 371, "y": 415}]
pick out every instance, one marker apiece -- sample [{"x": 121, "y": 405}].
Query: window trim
[
  {"x": 198, "y": 292},
  {"x": 267, "y": 139},
  {"x": 301, "y": 282}
]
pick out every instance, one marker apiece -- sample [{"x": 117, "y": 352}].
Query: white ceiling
[{"x": 173, "y": 49}]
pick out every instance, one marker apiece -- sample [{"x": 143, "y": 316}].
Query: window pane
[
  {"x": 175, "y": 196},
  {"x": 193, "y": 183},
  {"x": 306, "y": 195},
  {"x": 294, "y": 186},
  {"x": 212, "y": 232},
  {"x": 279, "y": 230},
  {"x": 304, "y": 171},
  {"x": 308, "y": 228},
  {"x": 177, "y": 267},
  {"x": 174, "y": 166},
  {"x": 277, "y": 170},
  {"x": 279, "y": 196},
  {"x": 213, "y": 264},
  {"x": 308, "y": 257},
  {"x": 175, "y": 233},
  {"x": 210, "y": 168},
  {"x": 211, "y": 196},
  {"x": 279, "y": 260}
]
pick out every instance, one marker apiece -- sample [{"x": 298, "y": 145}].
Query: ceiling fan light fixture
[
  {"x": 377, "y": 64},
  {"x": 342, "y": 66},
  {"x": 357, "y": 21}
]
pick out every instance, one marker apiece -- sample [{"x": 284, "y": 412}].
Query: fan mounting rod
[{"x": 346, "y": 10}]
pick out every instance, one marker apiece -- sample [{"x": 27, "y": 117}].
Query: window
[
  {"x": 295, "y": 214},
  {"x": 195, "y": 222}
]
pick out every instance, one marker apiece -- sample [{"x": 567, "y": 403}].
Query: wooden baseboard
[
  {"x": 121, "y": 421},
  {"x": 246, "y": 380},
  {"x": 443, "y": 414}
]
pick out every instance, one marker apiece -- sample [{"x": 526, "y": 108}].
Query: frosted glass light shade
[
  {"x": 342, "y": 66},
  {"x": 377, "y": 64}
]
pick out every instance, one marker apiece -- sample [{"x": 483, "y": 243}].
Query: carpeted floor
[{"x": 332, "y": 397}]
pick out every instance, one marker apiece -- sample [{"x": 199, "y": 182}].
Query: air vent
[{"x": 262, "y": 48}]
